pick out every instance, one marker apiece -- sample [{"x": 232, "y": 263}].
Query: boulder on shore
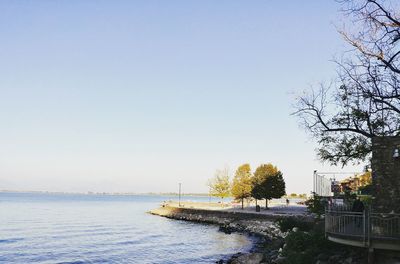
[{"x": 250, "y": 258}]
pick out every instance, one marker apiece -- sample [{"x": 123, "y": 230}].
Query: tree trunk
[
  {"x": 266, "y": 203},
  {"x": 242, "y": 204}
]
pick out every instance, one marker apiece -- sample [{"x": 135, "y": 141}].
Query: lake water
[{"x": 66, "y": 228}]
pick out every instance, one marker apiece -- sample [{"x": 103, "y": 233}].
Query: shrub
[
  {"x": 366, "y": 190},
  {"x": 287, "y": 223},
  {"x": 303, "y": 247},
  {"x": 316, "y": 204},
  {"x": 366, "y": 199}
]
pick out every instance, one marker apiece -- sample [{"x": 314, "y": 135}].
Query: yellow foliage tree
[
  {"x": 365, "y": 178},
  {"x": 242, "y": 185},
  {"x": 220, "y": 185},
  {"x": 264, "y": 171}
]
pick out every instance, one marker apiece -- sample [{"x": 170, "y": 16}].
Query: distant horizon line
[{"x": 105, "y": 193}]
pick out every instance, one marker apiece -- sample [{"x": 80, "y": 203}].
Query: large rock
[
  {"x": 335, "y": 258},
  {"x": 279, "y": 260},
  {"x": 322, "y": 256},
  {"x": 251, "y": 258},
  {"x": 349, "y": 260}
]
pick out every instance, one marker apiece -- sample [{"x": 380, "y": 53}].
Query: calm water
[{"x": 58, "y": 228}]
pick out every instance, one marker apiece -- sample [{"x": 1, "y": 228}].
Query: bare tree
[{"x": 364, "y": 100}]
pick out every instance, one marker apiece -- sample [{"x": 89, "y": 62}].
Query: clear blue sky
[{"x": 136, "y": 96}]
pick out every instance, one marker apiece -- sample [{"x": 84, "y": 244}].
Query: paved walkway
[{"x": 274, "y": 208}]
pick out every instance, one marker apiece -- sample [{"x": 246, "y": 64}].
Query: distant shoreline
[{"x": 107, "y": 193}]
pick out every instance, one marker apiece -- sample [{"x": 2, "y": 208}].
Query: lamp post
[{"x": 180, "y": 185}]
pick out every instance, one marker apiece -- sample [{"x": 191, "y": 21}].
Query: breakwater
[{"x": 253, "y": 223}]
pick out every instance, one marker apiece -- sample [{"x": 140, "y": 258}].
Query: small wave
[
  {"x": 131, "y": 242},
  {"x": 10, "y": 240},
  {"x": 73, "y": 262}
]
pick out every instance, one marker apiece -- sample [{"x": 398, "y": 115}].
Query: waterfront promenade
[{"x": 274, "y": 208}]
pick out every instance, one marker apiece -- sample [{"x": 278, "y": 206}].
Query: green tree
[
  {"x": 276, "y": 186},
  {"x": 363, "y": 102},
  {"x": 268, "y": 183},
  {"x": 241, "y": 186},
  {"x": 261, "y": 173},
  {"x": 220, "y": 185}
]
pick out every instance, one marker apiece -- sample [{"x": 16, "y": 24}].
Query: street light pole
[{"x": 180, "y": 184}]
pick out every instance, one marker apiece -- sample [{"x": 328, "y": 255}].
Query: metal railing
[
  {"x": 341, "y": 222},
  {"x": 364, "y": 226},
  {"x": 385, "y": 226},
  {"x": 339, "y": 207}
]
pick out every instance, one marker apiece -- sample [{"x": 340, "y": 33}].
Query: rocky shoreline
[{"x": 260, "y": 225}]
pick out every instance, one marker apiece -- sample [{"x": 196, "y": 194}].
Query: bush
[
  {"x": 366, "y": 190},
  {"x": 287, "y": 223},
  {"x": 316, "y": 204},
  {"x": 304, "y": 247},
  {"x": 366, "y": 199}
]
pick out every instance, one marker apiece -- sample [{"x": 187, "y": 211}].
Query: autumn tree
[
  {"x": 363, "y": 101},
  {"x": 220, "y": 184},
  {"x": 260, "y": 175},
  {"x": 241, "y": 186},
  {"x": 264, "y": 171},
  {"x": 268, "y": 183}
]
